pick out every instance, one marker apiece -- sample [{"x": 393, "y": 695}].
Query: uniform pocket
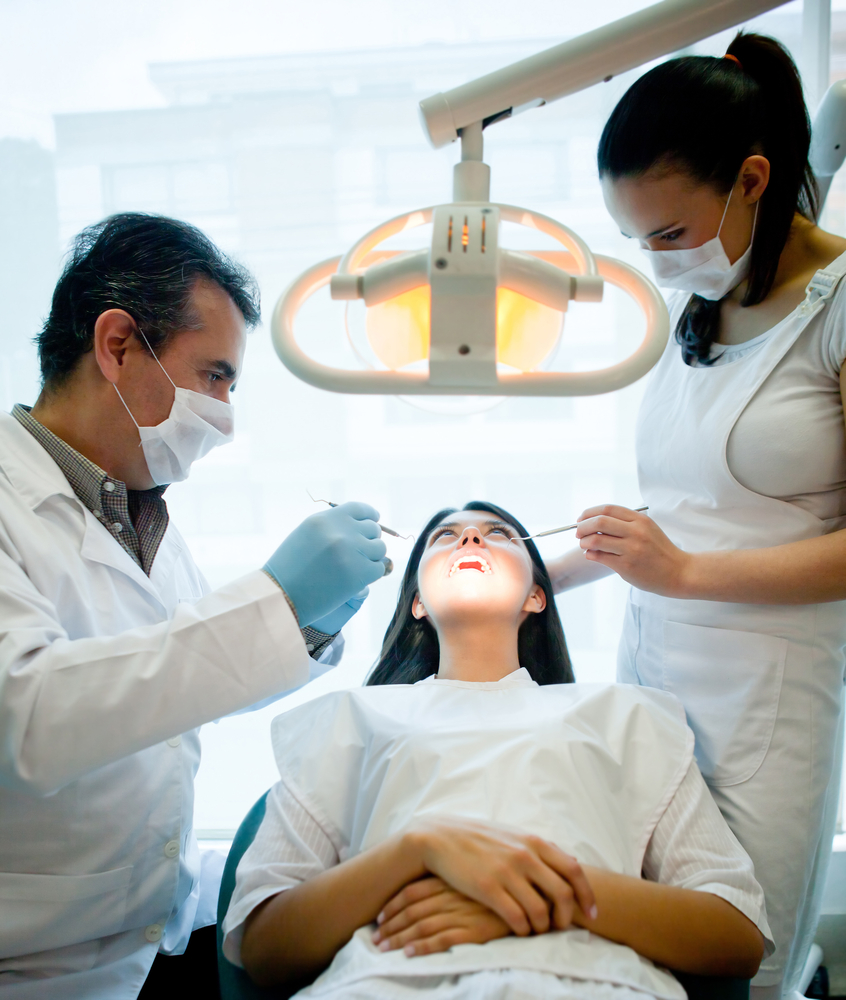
[
  {"x": 41, "y": 912},
  {"x": 729, "y": 683}
]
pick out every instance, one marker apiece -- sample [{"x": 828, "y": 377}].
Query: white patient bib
[{"x": 590, "y": 767}]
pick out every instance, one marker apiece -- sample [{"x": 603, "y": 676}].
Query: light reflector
[{"x": 527, "y": 332}]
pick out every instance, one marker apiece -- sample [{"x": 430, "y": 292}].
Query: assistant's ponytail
[{"x": 705, "y": 116}]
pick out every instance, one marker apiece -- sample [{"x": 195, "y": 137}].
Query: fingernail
[
  {"x": 594, "y": 913},
  {"x": 384, "y": 946},
  {"x": 381, "y": 918},
  {"x": 409, "y": 950},
  {"x": 377, "y": 937}
]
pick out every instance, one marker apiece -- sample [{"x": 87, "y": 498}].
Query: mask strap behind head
[{"x": 734, "y": 59}]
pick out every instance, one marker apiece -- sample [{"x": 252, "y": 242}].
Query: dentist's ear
[
  {"x": 114, "y": 339},
  {"x": 536, "y": 601},
  {"x": 417, "y": 608}
]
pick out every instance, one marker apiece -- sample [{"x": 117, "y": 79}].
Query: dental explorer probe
[
  {"x": 388, "y": 531},
  {"x": 567, "y": 527}
]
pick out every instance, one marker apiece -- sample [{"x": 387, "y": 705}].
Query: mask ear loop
[
  {"x": 140, "y": 442},
  {"x": 127, "y": 409},
  {"x": 120, "y": 397},
  {"x": 754, "y": 221},
  {"x": 147, "y": 342},
  {"x": 720, "y": 229}
]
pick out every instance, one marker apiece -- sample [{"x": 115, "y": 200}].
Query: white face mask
[
  {"x": 195, "y": 425},
  {"x": 705, "y": 270}
]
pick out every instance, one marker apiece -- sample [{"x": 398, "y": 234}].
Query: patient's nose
[{"x": 470, "y": 534}]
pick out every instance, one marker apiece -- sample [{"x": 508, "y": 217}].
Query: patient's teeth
[{"x": 464, "y": 560}]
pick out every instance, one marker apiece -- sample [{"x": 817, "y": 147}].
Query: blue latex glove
[
  {"x": 333, "y": 622},
  {"x": 328, "y": 559}
]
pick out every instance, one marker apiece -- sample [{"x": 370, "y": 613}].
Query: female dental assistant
[{"x": 739, "y": 572}]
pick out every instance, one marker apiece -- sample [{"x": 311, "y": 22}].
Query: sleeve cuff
[
  {"x": 740, "y": 900},
  {"x": 236, "y": 917},
  {"x": 316, "y": 641}
]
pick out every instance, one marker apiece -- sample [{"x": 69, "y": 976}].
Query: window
[{"x": 285, "y": 160}]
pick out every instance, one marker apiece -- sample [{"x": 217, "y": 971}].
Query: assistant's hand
[
  {"x": 632, "y": 544},
  {"x": 428, "y": 916},
  {"x": 528, "y": 882},
  {"x": 329, "y": 558},
  {"x": 333, "y": 622}
]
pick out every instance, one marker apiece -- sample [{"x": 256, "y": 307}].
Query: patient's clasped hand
[{"x": 474, "y": 823}]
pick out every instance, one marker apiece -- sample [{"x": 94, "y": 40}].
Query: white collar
[{"x": 517, "y": 678}]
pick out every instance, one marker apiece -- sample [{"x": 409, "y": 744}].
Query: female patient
[{"x": 473, "y": 824}]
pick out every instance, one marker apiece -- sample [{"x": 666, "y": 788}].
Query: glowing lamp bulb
[{"x": 526, "y": 331}]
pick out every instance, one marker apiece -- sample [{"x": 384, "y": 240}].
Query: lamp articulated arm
[{"x": 582, "y": 62}]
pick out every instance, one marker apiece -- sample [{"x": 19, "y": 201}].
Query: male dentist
[{"x": 112, "y": 649}]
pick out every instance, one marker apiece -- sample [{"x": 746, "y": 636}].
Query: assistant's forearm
[
  {"x": 298, "y": 932},
  {"x": 573, "y": 570},
  {"x": 681, "y": 929},
  {"x": 807, "y": 572}
]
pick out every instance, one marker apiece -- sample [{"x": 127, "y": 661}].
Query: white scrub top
[
  {"x": 761, "y": 684},
  {"x": 789, "y": 443},
  {"x": 105, "y": 675}
]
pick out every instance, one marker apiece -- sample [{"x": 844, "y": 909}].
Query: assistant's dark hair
[
  {"x": 146, "y": 265},
  {"x": 705, "y": 116},
  {"x": 410, "y": 650}
]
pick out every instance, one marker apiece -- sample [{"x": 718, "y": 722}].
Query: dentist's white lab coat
[{"x": 105, "y": 675}]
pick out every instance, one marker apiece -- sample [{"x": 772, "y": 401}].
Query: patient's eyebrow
[{"x": 492, "y": 522}]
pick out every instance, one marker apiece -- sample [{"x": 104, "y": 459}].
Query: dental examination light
[{"x": 468, "y": 316}]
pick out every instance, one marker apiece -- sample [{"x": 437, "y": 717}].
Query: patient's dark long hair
[{"x": 410, "y": 650}]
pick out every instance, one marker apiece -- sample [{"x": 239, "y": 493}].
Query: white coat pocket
[
  {"x": 729, "y": 683},
  {"x": 39, "y": 912}
]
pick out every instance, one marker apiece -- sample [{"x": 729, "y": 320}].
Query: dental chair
[{"x": 235, "y": 984}]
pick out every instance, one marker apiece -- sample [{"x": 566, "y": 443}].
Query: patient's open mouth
[{"x": 477, "y": 562}]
